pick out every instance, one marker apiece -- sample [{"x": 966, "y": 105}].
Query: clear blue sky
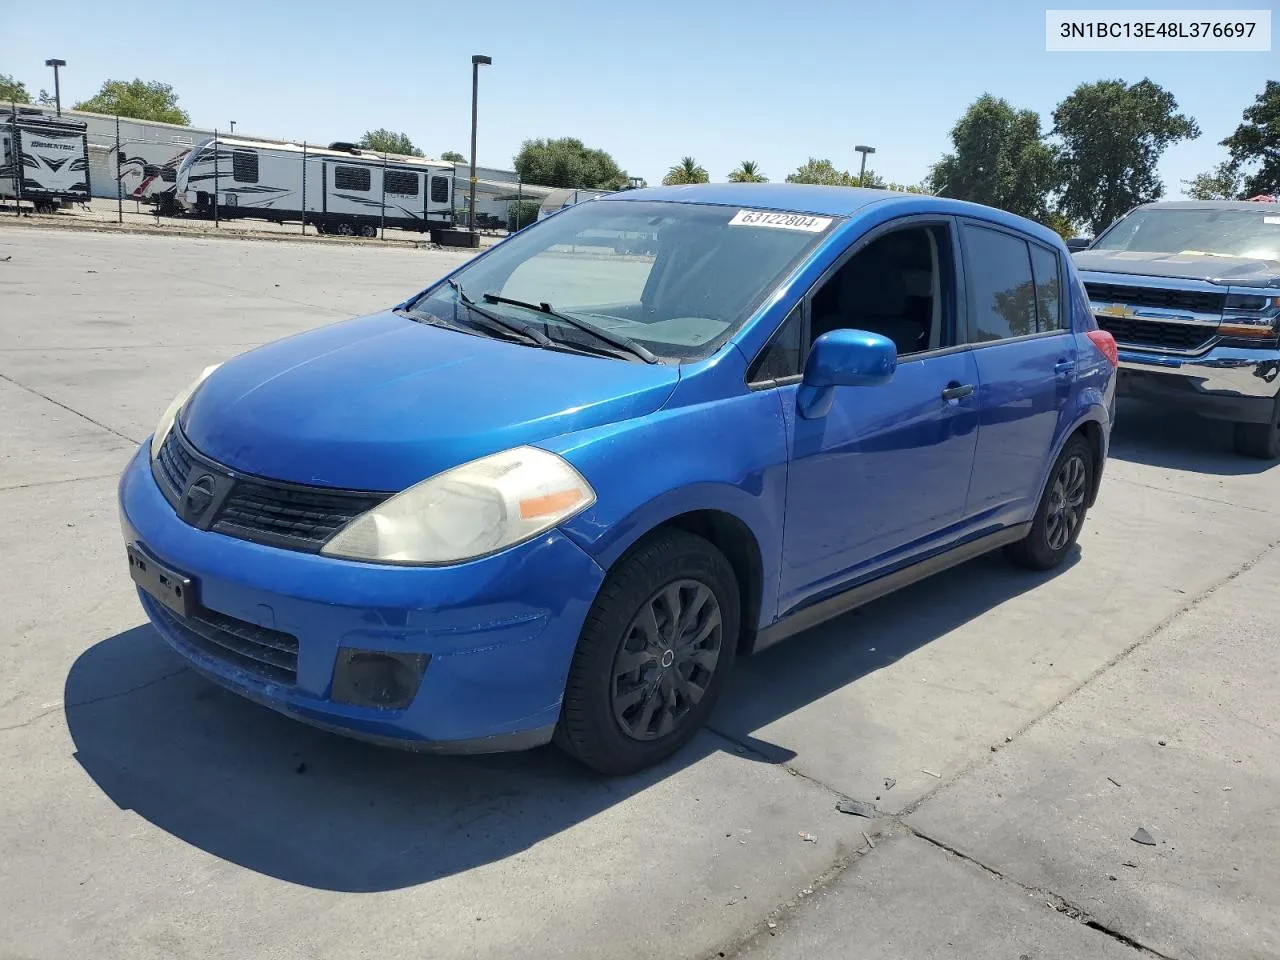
[{"x": 775, "y": 82}]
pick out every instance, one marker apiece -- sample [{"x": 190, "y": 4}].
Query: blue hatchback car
[{"x": 556, "y": 494}]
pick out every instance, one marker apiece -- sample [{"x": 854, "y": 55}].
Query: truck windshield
[
  {"x": 1252, "y": 233},
  {"x": 677, "y": 278}
]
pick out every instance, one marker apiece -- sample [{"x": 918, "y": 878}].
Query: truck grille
[
  {"x": 278, "y": 514},
  {"x": 1187, "y": 337},
  {"x": 1199, "y": 301},
  {"x": 267, "y": 654}
]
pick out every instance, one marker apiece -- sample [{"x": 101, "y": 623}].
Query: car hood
[
  {"x": 1240, "y": 271},
  {"x": 381, "y": 402}
]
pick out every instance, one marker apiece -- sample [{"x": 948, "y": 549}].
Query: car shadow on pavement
[
  {"x": 1149, "y": 434},
  {"x": 277, "y": 797}
]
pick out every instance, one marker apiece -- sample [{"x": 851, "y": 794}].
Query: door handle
[
  {"x": 957, "y": 391},
  {"x": 1064, "y": 367}
]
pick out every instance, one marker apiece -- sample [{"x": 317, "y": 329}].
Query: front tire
[
  {"x": 1260, "y": 440},
  {"x": 655, "y": 652},
  {"x": 1061, "y": 513}
]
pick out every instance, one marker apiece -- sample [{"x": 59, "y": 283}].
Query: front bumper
[
  {"x": 1227, "y": 383},
  {"x": 500, "y": 631}
]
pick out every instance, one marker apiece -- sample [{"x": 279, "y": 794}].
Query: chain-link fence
[{"x": 133, "y": 171}]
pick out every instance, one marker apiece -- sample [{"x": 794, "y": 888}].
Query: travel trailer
[
  {"x": 346, "y": 190},
  {"x": 43, "y": 161}
]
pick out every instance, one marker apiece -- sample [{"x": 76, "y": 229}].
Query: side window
[
  {"x": 439, "y": 189},
  {"x": 900, "y": 285},
  {"x": 401, "y": 182},
  {"x": 244, "y": 166},
  {"x": 351, "y": 178},
  {"x": 1045, "y": 267},
  {"x": 780, "y": 358},
  {"x": 1001, "y": 292}
]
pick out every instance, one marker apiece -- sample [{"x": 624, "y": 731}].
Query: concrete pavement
[{"x": 144, "y": 813}]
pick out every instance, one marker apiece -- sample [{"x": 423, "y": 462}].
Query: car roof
[
  {"x": 1264, "y": 205},
  {"x": 790, "y": 197},
  {"x": 827, "y": 201}
]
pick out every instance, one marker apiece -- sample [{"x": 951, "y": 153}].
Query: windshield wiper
[
  {"x": 532, "y": 333},
  {"x": 616, "y": 339}
]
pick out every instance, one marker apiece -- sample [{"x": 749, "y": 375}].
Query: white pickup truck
[{"x": 1191, "y": 292}]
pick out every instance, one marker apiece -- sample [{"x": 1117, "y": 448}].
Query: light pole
[
  {"x": 864, "y": 150},
  {"x": 476, "y": 62},
  {"x": 233, "y": 126},
  {"x": 57, "y": 85}
]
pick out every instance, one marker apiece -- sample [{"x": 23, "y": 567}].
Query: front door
[{"x": 883, "y": 477}]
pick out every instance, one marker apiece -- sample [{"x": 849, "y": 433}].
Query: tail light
[{"x": 1106, "y": 345}]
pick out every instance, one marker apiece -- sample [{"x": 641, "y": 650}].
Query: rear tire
[
  {"x": 345, "y": 229},
  {"x": 1060, "y": 516},
  {"x": 368, "y": 231},
  {"x": 655, "y": 652},
  {"x": 1260, "y": 440}
]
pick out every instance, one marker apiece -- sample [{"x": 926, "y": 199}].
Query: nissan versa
[{"x": 555, "y": 495}]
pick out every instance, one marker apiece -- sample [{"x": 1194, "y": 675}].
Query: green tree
[
  {"x": 1112, "y": 135},
  {"x": 1255, "y": 145},
  {"x": 567, "y": 162},
  {"x": 388, "y": 141},
  {"x": 901, "y": 187},
  {"x": 13, "y": 90},
  {"x": 1061, "y": 224},
  {"x": 824, "y": 172},
  {"x": 748, "y": 171},
  {"x": 999, "y": 159},
  {"x": 1223, "y": 182},
  {"x": 140, "y": 99},
  {"x": 686, "y": 171},
  {"x": 453, "y": 156}
]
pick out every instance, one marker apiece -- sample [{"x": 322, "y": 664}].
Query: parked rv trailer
[
  {"x": 43, "y": 161},
  {"x": 346, "y": 190}
]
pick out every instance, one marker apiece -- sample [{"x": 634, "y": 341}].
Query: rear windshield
[
  {"x": 678, "y": 278},
  {"x": 1254, "y": 234}
]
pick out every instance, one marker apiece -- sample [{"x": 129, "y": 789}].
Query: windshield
[
  {"x": 676, "y": 278},
  {"x": 1254, "y": 234}
]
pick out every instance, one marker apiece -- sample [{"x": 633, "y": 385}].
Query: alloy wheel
[
  {"x": 667, "y": 658},
  {"x": 1066, "y": 503}
]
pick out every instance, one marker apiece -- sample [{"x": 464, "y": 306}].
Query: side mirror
[
  {"x": 1079, "y": 243},
  {"x": 843, "y": 358}
]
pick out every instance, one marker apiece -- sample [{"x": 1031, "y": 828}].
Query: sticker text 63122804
[{"x": 783, "y": 221}]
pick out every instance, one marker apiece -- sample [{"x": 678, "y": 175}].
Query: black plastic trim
[{"x": 863, "y": 593}]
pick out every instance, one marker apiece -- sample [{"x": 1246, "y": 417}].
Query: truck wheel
[
  {"x": 346, "y": 229},
  {"x": 654, "y": 655},
  {"x": 1261, "y": 440},
  {"x": 1060, "y": 516},
  {"x": 369, "y": 231}
]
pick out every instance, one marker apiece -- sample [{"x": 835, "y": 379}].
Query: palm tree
[
  {"x": 748, "y": 172},
  {"x": 686, "y": 171}
]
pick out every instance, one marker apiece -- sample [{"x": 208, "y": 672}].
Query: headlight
[
  {"x": 472, "y": 510},
  {"x": 171, "y": 412}
]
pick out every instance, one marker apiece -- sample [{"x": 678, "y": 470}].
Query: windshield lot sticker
[
  {"x": 783, "y": 221},
  {"x": 1271, "y": 219}
]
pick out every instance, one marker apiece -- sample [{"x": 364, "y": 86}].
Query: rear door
[{"x": 1026, "y": 360}]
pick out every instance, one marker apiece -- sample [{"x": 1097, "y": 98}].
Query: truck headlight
[
  {"x": 469, "y": 511},
  {"x": 171, "y": 412}
]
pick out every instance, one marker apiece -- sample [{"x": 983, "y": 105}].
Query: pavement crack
[
  {"x": 1191, "y": 604},
  {"x": 49, "y": 483},
  {"x": 124, "y": 693},
  {"x": 92, "y": 700},
  {"x": 58, "y": 403},
  {"x": 1051, "y": 899},
  {"x": 1182, "y": 494}
]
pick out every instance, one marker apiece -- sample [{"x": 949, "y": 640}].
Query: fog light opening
[{"x": 379, "y": 679}]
